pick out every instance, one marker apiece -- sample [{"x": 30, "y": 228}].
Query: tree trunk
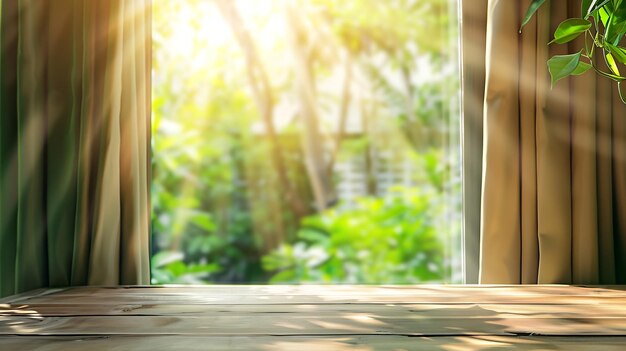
[
  {"x": 262, "y": 91},
  {"x": 370, "y": 172},
  {"x": 312, "y": 140},
  {"x": 346, "y": 97}
]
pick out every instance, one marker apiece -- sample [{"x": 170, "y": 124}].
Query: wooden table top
[{"x": 336, "y": 317}]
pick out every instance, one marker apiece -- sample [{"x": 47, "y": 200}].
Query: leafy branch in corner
[{"x": 603, "y": 24}]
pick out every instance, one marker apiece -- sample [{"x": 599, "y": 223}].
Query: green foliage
[
  {"x": 561, "y": 66},
  {"x": 379, "y": 240},
  {"x": 201, "y": 127},
  {"x": 601, "y": 22},
  {"x": 534, "y": 6},
  {"x": 570, "y": 29},
  {"x": 398, "y": 238},
  {"x": 218, "y": 204},
  {"x": 169, "y": 268},
  {"x": 389, "y": 26}
]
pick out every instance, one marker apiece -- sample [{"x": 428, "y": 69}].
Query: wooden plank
[
  {"x": 231, "y": 299},
  {"x": 221, "y": 295},
  {"x": 352, "y": 324},
  {"x": 386, "y": 310},
  {"x": 269, "y": 343},
  {"x": 316, "y": 317},
  {"x": 295, "y": 324},
  {"x": 339, "y": 290},
  {"x": 30, "y": 294}
]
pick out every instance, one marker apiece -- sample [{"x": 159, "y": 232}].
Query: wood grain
[
  {"x": 271, "y": 343},
  {"x": 335, "y": 317}
]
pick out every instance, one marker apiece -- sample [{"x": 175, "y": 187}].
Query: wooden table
[{"x": 302, "y": 318}]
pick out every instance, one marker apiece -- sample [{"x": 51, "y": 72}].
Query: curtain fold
[
  {"x": 474, "y": 19},
  {"x": 553, "y": 205},
  {"x": 74, "y": 134}
]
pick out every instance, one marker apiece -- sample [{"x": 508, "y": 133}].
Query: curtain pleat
[
  {"x": 8, "y": 146},
  {"x": 74, "y": 153},
  {"x": 529, "y": 62},
  {"x": 474, "y": 19},
  {"x": 501, "y": 187},
  {"x": 30, "y": 262},
  {"x": 554, "y": 159},
  {"x": 619, "y": 188},
  {"x": 61, "y": 144}
]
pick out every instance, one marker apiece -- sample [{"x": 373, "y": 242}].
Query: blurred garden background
[{"x": 305, "y": 141}]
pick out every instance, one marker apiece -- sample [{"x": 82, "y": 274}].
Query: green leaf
[
  {"x": 617, "y": 25},
  {"x": 610, "y": 61},
  {"x": 534, "y": 6},
  {"x": 177, "y": 268},
  {"x": 203, "y": 220},
  {"x": 287, "y": 276},
  {"x": 203, "y": 268},
  {"x": 570, "y": 29},
  {"x": 581, "y": 68},
  {"x": 619, "y": 53},
  {"x": 313, "y": 236},
  {"x": 165, "y": 258},
  {"x": 605, "y": 14},
  {"x": 590, "y": 6},
  {"x": 561, "y": 66},
  {"x": 584, "y": 9}
]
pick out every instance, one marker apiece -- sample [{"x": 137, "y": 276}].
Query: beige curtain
[
  {"x": 74, "y": 143},
  {"x": 553, "y": 205}
]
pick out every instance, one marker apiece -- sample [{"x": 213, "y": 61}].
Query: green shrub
[{"x": 376, "y": 240}]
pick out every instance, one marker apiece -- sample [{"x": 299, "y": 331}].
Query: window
[{"x": 306, "y": 141}]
